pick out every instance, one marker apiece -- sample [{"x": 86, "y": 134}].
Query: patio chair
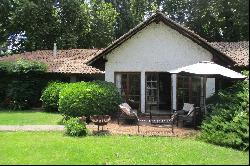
[
  {"x": 126, "y": 112},
  {"x": 187, "y": 114}
]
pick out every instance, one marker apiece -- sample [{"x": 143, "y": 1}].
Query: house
[{"x": 139, "y": 63}]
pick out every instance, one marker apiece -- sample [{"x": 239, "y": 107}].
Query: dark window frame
[
  {"x": 128, "y": 85},
  {"x": 189, "y": 85}
]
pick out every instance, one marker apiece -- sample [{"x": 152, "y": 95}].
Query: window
[
  {"x": 188, "y": 90},
  {"x": 129, "y": 86}
]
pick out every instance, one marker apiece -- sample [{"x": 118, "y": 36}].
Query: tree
[
  {"x": 35, "y": 23},
  {"x": 103, "y": 17},
  {"x": 219, "y": 20},
  {"x": 6, "y": 9},
  {"x": 73, "y": 22},
  {"x": 27, "y": 25}
]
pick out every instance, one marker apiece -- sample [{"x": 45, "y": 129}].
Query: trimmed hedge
[
  {"x": 228, "y": 123},
  {"x": 23, "y": 66},
  {"x": 50, "y": 96},
  {"x": 89, "y": 98}
]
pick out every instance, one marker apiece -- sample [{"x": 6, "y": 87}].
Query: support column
[
  {"x": 202, "y": 93},
  {"x": 143, "y": 92},
  {"x": 174, "y": 91},
  {"x": 205, "y": 93}
]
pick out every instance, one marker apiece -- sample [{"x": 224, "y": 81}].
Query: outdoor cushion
[
  {"x": 126, "y": 105},
  {"x": 188, "y": 107},
  {"x": 127, "y": 109}
]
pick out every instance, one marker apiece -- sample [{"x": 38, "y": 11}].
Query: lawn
[
  {"x": 56, "y": 148},
  {"x": 29, "y": 117}
]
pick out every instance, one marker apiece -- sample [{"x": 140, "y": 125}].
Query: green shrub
[
  {"x": 74, "y": 127},
  {"x": 228, "y": 122},
  {"x": 20, "y": 94},
  {"x": 22, "y": 66},
  {"x": 89, "y": 98},
  {"x": 4, "y": 81},
  {"x": 50, "y": 96},
  {"x": 21, "y": 86}
]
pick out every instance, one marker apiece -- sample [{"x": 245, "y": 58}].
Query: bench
[{"x": 156, "y": 120}]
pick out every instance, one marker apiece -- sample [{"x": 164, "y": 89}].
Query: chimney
[{"x": 54, "y": 50}]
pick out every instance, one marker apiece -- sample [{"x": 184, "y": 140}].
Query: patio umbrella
[{"x": 208, "y": 69}]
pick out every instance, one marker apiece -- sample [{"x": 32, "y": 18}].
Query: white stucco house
[{"x": 139, "y": 63}]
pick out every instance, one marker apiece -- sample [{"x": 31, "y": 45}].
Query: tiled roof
[
  {"x": 238, "y": 51},
  {"x": 74, "y": 60},
  {"x": 65, "y": 61}
]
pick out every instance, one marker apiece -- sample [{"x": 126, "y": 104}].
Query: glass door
[
  {"x": 188, "y": 90},
  {"x": 129, "y": 86},
  {"x": 152, "y": 92},
  {"x": 158, "y": 92}
]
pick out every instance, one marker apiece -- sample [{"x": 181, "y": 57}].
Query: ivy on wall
[{"x": 21, "y": 83}]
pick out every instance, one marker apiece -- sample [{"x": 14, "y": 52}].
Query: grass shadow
[{"x": 101, "y": 133}]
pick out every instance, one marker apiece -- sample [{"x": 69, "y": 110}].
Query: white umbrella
[{"x": 208, "y": 69}]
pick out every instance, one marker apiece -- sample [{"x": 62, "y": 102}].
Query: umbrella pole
[{"x": 204, "y": 94}]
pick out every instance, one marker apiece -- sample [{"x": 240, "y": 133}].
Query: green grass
[
  {"x": 29, "y": 117},
  {"x": 56, "y": 148}
]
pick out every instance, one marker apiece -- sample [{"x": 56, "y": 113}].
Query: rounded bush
[
  {"x": 50, "y": 96},
  {"x": 75, "y": 127},
  {"x": 89, "y": 98}
]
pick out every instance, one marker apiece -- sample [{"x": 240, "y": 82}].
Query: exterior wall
[{"x": 156, "y": 48}]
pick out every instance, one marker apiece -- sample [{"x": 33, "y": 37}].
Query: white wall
[{"x": 156, "y": 48}]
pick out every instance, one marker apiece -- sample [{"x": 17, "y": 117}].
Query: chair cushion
[
  {"x": 125, "y": 110},
  {"x": 126, "y": 105},
  {"x": 188, "y": 107},
  {"x": 133, "y": 112}
]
